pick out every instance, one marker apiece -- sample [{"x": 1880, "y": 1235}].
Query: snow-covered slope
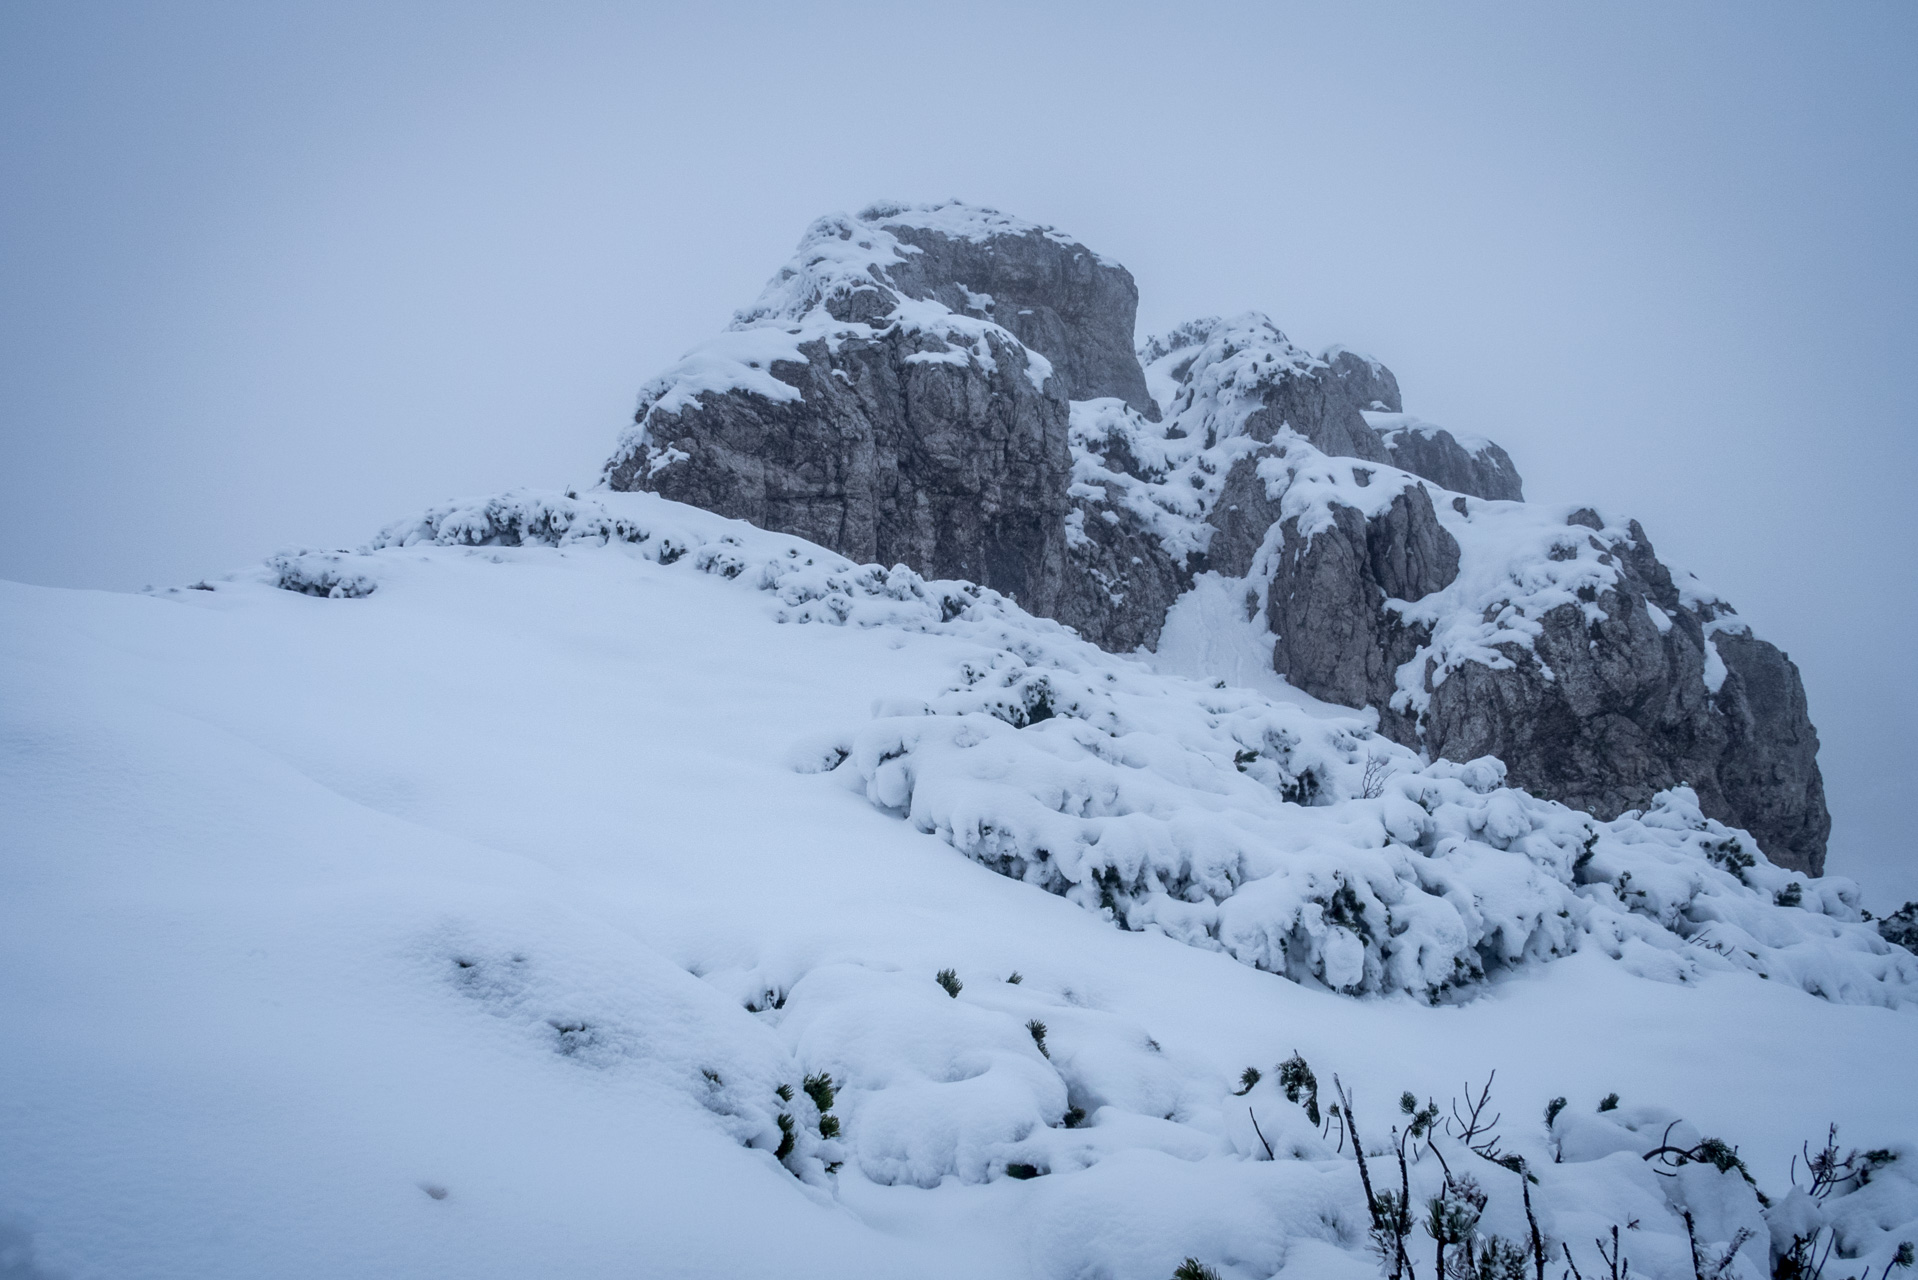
[{"x": 480, "y": 903}]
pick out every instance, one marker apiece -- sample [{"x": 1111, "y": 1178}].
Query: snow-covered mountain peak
[
  {"x": 956, "y": 802},
  {"x": 961, "y": 220}
]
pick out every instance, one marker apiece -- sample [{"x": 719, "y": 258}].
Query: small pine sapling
[
  {"x": 1074, "y": 1117},
  {"x": 820, "y": 1089},
  {"x": 1022, "y": 1171},
  {"x": 1247, "y": 1078},
  {"x": 1608, "y": 1103},
  {"x": 1300, "y": 1085},
  {"x": 1193, "y": 1269},
  {"x": 1586, "y": 852},
  {"x": 1552, "y": 1109},
  {"x": 949, "y": 979},
  {"x": 1500, "y": 1259},
  {"x": 787, "y": 1136},
  {"x": 1037, "y": 1030},
  {"x": 1451, "y": 1219},
  {"x": 1015, "y": 977}
]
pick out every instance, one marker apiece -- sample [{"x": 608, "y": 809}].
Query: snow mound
[{"x": 1296, "y": 842}]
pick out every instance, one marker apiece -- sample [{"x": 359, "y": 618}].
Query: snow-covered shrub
[
  {"x": 332, "y": 575},
  {"x": 1294, "y": 839},
  {"x": 1900, "y": 928}
]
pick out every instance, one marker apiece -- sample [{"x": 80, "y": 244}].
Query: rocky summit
[{"x": 952, "y": 389}]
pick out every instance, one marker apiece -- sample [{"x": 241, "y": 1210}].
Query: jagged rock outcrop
[
  {"x": 958, "y": 469},
  {"x": 1323, "y": 603},
  {"x": 1612, "y": 704},
  {"x": 1242, "y": 376},
  {"x": 890, "y": 428},
  {"x": 1482, "y": 470},
  {"x": 1071, "y": 305},
  {"x": 953, "y": 389},
  {"x": 1585, "y": 668}
]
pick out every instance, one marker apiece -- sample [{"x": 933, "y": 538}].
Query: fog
[{"x": 275, "y": 277}]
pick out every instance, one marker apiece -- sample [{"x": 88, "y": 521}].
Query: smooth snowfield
[{"x": 414, "y": 935}]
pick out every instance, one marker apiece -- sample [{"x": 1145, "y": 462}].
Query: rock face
[
  {"x": 958, "y": 469},
  {"x": 1241, "y": 376},
  {"x": 1053, "y": 294},
  {"x": 1484, "y": 470},
  {"x": 956, "y": 390},
  {"x": 889, "y": 428},
  {"x": 1612, "y": 704},
  {"x": 1333, "y": 639}
]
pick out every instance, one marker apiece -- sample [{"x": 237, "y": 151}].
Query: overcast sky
[{"x": 272, "y": 277}]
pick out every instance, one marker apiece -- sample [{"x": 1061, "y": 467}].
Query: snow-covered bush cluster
[
  {"x": 915, "y": 1080},
  {"x": 1233, "y": 822},
  {"x": 331, "y": 574},
  {"x": 1294, "y": 839}
]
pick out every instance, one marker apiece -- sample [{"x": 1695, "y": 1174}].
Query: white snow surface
[{"x": 461, "y": 906}]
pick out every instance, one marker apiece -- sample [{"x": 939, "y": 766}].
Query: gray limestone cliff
[{"x": 953, "y": 389}]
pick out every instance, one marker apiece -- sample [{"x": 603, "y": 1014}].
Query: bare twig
[{"x": 1261, "y": 1133}]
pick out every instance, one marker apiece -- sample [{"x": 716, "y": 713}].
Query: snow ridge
[{"x": 1296, "y": 842}]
